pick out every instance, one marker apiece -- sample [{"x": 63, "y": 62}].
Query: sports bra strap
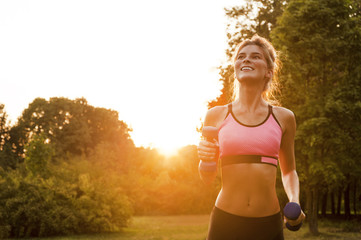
[{"x": 229, "y": 108}]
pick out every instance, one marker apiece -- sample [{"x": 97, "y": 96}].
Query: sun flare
[
  {"x": 167, "y": 136},
  {"x": 157, "y": 68}
]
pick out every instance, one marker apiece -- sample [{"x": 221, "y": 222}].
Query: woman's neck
[{"x": 250, "y": 99}]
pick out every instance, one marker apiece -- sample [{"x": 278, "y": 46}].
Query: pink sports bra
[{"x": 241, "y": 143}]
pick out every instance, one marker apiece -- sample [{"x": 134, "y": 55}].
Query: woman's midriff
[{"x": 248, "y": 189}]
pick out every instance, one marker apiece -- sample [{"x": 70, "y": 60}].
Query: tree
[
  {"x": 3, "y": 125},
  {"x": 344, "y": 108},
  {"x": 315, "y": 37},
  {"x": 244, "y": 22},
  {"x": 78, "y": 190},
  {"x": 38, "y": 155},
  {"x": 71, "y": 126},
  {"x": 8, "y": 158}
]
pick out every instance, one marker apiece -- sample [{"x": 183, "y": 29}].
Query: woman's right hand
[{"x": 208, "y": 151}]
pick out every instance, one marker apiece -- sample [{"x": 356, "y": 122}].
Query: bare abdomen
[{"x": 248, "y": 189}]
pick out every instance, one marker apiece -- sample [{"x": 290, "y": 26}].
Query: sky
[{"x": 155, "y": 62}]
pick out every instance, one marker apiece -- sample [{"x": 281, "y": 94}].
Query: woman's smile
[
  {"x": 251, "y": 60},
  {"x": 246, "y": 68}
]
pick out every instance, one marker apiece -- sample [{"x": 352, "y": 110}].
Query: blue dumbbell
[
  {"x": 211, "y": 134},
  {"x": 292, "y": 211}
]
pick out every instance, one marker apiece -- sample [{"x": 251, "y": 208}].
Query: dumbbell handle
[{"x": 292, "y": 211}]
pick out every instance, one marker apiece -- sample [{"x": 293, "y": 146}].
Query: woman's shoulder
[
  {"x": 285, "y": 116},
  {"x": 283, "y": 112},
  {"x": 215, "y": 115}
]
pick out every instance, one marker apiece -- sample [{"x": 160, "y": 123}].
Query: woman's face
[{"x": 251, "y": 65}]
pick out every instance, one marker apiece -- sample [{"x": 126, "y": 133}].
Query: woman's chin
[{"x": 249, "y": 80}]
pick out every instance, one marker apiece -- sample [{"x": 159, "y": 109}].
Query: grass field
[{"x": 194, "y": 227}]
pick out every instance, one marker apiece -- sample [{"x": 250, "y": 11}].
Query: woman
[{"x": 253, "y": 138}]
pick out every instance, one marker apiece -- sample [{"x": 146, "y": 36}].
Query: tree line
[
  {"x": 67, "y": 167},
  {"x": 320, "y": 81}
]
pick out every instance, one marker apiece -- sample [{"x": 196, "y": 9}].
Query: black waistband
[
  {"x": 272, "y": 218},
  {"x": 235, "y": 159}
]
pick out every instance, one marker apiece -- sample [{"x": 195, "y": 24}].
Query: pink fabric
[
  {"x": 269, "y": 160},
  {"x": 237, "y": 139}
]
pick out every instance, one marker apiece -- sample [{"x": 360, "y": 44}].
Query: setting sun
[{"x": 157, "y": 68}]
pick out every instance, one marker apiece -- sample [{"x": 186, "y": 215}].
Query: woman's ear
[
  {"x": 269, "y": 74},
  {"x": 268, "y": 78}
]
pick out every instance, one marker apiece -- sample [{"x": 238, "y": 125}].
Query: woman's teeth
[{"x": 246, "y": 68}]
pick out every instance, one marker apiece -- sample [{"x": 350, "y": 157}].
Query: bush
[{"x": 36, "y": 207}]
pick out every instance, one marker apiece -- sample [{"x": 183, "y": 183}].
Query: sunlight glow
[{"x": 155, "y": 62}]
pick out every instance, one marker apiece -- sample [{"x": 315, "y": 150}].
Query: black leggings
[{"x": 226, "y": 226}]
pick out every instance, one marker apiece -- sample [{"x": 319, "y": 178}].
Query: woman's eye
[{"x": 257, "y": 57}]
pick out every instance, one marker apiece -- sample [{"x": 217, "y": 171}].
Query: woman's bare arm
[
  {"x": 207, "y": 151},
  {"x": 287, "y": 158}
]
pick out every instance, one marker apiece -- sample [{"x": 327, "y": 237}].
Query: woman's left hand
[{"x": 296, "y": 222}]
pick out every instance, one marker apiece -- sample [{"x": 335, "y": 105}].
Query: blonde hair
[{"x": 271, "y": 87}]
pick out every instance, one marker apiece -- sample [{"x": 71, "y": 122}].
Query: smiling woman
[{"x": 254, "y": 137}]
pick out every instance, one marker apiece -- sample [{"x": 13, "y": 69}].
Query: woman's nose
[{"x": 246, "y": 59}]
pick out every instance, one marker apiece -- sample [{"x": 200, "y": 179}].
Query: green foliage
[
  {"x": 321, "y": 85},
  {"x": 3, "y": 125},
  {"x": 159, "y": 185},
  {"x": 62, "y": 204},
  {"x": 82, "y": 174},
  {"x": 38, "y": 155},
  {"x": 314, "y": 37},
  {"x": 29, "y": 207},
  {"x": 8, "y": 158},
  {"x": 72, "y": 126},
  {"x": 343, "y": 106},
  {"x": 67, "y": 192},
  {"x": 259, "y": 17}
]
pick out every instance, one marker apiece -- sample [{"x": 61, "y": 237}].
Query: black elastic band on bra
[
  {"x": 235, "y": 159},
  {"x": 247, "y": 125},
  {"x": 229, "y": 108},
  {"x": 271, "y": 108}
]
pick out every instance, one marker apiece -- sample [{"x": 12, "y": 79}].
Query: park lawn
[{"x": 194, "y": 227}]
